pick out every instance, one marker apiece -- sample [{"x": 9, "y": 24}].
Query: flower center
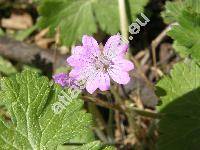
[{"x": 102, "y": 63}]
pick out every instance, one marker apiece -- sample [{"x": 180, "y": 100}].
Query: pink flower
[
  {"x": 96, "y": 65},
  {"x": 62, "y": 79}
]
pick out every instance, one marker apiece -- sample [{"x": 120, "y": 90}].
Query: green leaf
[
  {"x": 86, "y": 137},
  {"x": 182, "y": 50},
  {"x": 136, "y": 7},
  {"x": 172, "y": 11},
  {"x": 180, "y": 97},
  {"x": 29, "y": 99},
  {"x": 32, "y": 68},
  {"x": 193, "y": 5},
  {"x": 107, "y": 15},
  {"x": 75, "y": 18},
  {"x": 187, "y": 32},
  {"x": 6, "y": 67}
]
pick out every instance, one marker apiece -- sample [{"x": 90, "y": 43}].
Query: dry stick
[
  {"x": 145, "y": 58},
  {"x": 122, "y": 109},
  {"x": 156, "y": 42},
  {"x": 102, "y": 103},
  {"x": 27, "y": 53}
]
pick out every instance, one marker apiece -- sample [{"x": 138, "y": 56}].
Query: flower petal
[
  {"x": 82, "y": 72},
  {"x": 115, "y": 46},
  {"x": 119, "y": 76},
  {"x": 123, "y": 64},
  {"x": 90, "y": 45},
  {"x": 78, "y": 50},
  {"x": 112, "y": 42},
  {"x": 74, "y": 60},
  {"x": 62, "y": 79},
  {"x": 92, "y": 83},
  {"x": 78, "y": 60},
  {"x": 104, "y": 81},
  {"x": 122, "y": 49},
  {"x": 75, "y": 72}
]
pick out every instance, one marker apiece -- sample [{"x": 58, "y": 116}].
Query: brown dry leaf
[
  {"x": 17, "y": 21},
  {"x": 41, "y": 34},
  {"x": 41, "y": 40},
  {"x": 44, "y": 42}
]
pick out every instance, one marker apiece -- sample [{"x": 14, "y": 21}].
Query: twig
[
  {"x": 102, "y": 103},
  {"x": 158, "y": 71},
  {"x": 145, "y": 113},
  {"x": 122, "y": 109},
  {"x": 157, "y": 41}
]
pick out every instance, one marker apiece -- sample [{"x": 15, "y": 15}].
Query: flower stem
[
  {"x": 123, "y": 22},
  {"x": 123, "y": 18}
]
